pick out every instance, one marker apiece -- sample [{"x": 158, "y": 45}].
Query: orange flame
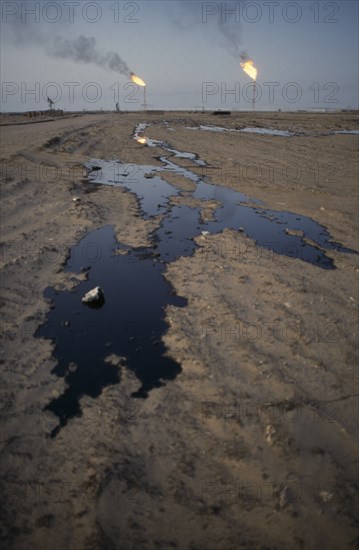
[
  {"x": 137, "y": 80},
  {"x": 250, "y": 69},
  {"x": 142, "y": 140}
]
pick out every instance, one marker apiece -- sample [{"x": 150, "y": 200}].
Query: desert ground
[{"x": 254, "y": 444}]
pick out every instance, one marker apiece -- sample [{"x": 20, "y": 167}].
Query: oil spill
[
  {"x": 270, "y": 229},
  {"x": 131, "y": 322},
  {"x": 269, "y": 131},
  {"x": 255, "y": 130},
  {"x": 350, "y": 132},
  {"x": 151, "y": 190}
]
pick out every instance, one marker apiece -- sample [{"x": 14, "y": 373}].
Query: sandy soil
[{"x": 254, "y": 444}]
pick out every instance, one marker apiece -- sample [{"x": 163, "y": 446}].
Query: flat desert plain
[{"x": 254, "y": 443}]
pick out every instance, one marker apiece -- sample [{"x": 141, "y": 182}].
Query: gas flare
[
  {"x": 142, "y": 140},
  {"x": 250, "y": 69},
  {"x": 137, "y": 80}
]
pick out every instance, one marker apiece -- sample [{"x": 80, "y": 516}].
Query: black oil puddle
[
  {"x": 255, "y": 130},
  {"x": 131, "y": 322},
  {"x": 284, "y": 233},
  {"x": 267, "y": 131}
]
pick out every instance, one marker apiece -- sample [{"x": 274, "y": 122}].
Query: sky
[{"x": 81, "y": 53}]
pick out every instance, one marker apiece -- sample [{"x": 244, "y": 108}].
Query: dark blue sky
[{"x": 186, "y": 51}]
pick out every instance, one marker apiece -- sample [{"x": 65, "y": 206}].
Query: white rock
[{"x": 93, "y": 295}]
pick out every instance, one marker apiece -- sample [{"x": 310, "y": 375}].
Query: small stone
[
  {"x": 94, "y": 296},
  {"x": 76, "y": 199}
]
